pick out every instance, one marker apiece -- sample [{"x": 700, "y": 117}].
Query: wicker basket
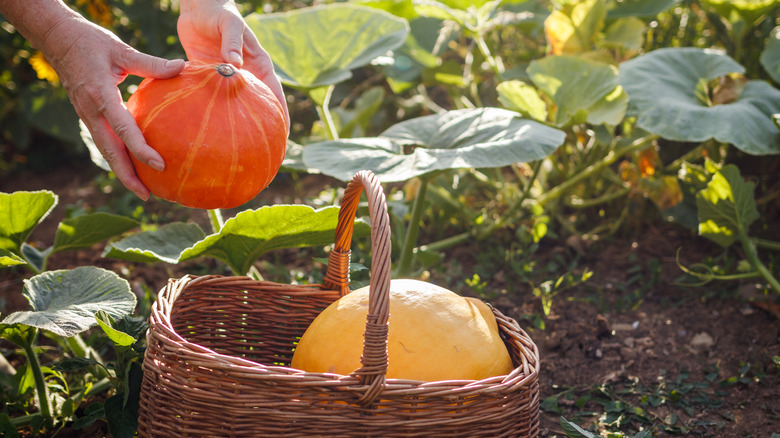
[{"x": 219, "y": 349}]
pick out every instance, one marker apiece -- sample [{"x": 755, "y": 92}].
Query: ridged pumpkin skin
[
  {"x": 221, "y": 131},
  {"x": 434, "y": 334}
]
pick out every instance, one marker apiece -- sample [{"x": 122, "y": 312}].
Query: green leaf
[
  {"x": 625, "y": 32},
  {"x": 65, "y": 301},
  {"x": 34, "y": 257},
  {"x": 726, "y": 207},
  {"x": 575, "y": 85},
  {"x": 640, "y": 8},
  {"x": 88, "y": 229},
  {"x": 470, "y": 138},
  {"x": 321, "y": 45},
  {"x": 250, "y": 234},
  {"x": 665, "y": 92},
  {"x": 49, "y": 110},
  {"x": 94, "y": 153},
  {"x": 106, "y": 322},
  {"x": 7, "y": 429},
  {"x": 751, "y": 11},
  {"x": 20, "y": 212},
  {"x": 121, "y": 409},
  {"x": 770, "y": 56},
  {"x": 164, "y": 244},
  {"x": 573, "y": 28},
  {"x": 523, "y": 98},
  {"x": 574, "y": 431},
  {"x": 610, "y": 109},
  {"x": 7, "y": 258}
]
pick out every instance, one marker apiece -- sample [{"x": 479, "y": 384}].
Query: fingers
[
  {"x": 117, "y": 135},
  {"x": 136, "y": 63},
  {"x": 115, "y": 153},
  {"x": 232, "y": 30}
]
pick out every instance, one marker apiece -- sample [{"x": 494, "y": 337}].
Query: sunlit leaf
[
  {"x": 20, "y": 213},
  {"x": 471, "y": 138},
  {"x": 576, "y": 85},
  {"x": 7, "y": 258},
  {"x": 250, "y": 234},
  {"x": 65, "y": 301},
  {"x": 749, "y": 10},
  {"x": 523, "y": 98},
  {"x": 573, "y": 28},
  {"x": 86, "y": 230},
  {"x": 106, "y": 323},
  {"x": 726, "y": 207},
  {"x": 667, "y": 95},
  {"x": 321, "y": 45}
]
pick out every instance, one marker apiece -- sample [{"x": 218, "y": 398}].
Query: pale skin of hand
[
  {"x": 214, "y": 31},
  {"x": 92, "y": 61}
]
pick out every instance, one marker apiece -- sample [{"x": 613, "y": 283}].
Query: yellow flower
[{"x": 42, "y": 67}]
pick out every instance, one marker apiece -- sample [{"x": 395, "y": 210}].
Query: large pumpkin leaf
[
  {"x": 65, "y": 301},
  {"x": 164, "y": 244},
  {"x": 86, "y": 230},
  {"x": 667, "y": 92},
  {"x": 770, "y": 56},
  {"x": 726, "y": 207},
  {"x": 250, "y": 234},
  {"x": 20, "y": 212},
  {"x": 320, "y": 45},
  {"x": 483, "y": 137},
  {"x": 575, "y": 85}
]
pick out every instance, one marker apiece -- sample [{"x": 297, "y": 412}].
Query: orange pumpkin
[{"x": 221, "y": 131}]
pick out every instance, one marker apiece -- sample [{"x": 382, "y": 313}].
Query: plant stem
[
  {"x": 44, "y": 403},
  {"x": 768, "y": 244},
  {"x": 81, "y": 349},
  {"x": 407, "y": 251},
  {"x": 216, "y": 220},
  {"x": 325, "y": 116},
  {"x": 752, "y": 255},
  {"x": 483, "y": 47},
  {"x": 594, "y": 168}
]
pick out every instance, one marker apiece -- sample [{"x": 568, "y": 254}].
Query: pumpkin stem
[{"x": 226, "y": 70}]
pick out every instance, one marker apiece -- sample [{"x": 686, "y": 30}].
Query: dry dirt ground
[{"x": 627, "y": 346}]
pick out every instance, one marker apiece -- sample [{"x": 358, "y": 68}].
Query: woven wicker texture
[{"x": 219, "y": 349}]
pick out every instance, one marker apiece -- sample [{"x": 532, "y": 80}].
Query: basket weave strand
[{"x": 219, "y": 349}]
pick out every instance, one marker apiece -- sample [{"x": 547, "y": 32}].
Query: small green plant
[{"x": 64, "y": 303}]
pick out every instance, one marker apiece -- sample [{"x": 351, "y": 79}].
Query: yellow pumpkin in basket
[{"x": 434, "y": 334}]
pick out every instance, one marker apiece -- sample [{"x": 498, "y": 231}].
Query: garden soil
[{"x": 627, "y": 345}]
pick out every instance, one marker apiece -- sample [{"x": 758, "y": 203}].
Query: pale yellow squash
[{"x": 434, "y": 334}]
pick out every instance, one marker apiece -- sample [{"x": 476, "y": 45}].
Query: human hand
[
  {"x": 214, "y": 31},
  {"x": 91, "y": 62}
]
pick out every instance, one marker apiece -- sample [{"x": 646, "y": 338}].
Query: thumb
[
  {"x": 140, "y": 64},
  {"x": 232, "y": 40}
]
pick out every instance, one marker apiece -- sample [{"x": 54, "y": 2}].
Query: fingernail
[
  {"x": 235, "y": 57},
  {"x": 156, "y": 165},
  {"x": 173, "y": 63}
]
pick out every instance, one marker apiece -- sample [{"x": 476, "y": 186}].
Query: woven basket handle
[{"x": 374, "y": 358}]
